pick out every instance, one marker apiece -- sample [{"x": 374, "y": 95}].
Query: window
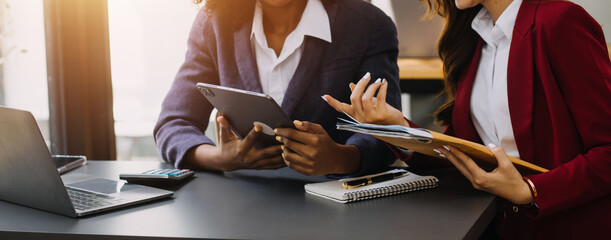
[
  {"x": 23, "y": 69},
  {"x": 147, "y": 46}
]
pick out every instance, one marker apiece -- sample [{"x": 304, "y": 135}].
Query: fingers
[
  {"x": 368, "y": 96},
  {"x": 249, "y": 140},
  {"x": 502, "y": 158},
  {"x": 458, "y": 164},
  {"x": 467, "y": 162},
  {"x": 298, "y": 163},
  {"x": 299, "y": 148},
  {"x": 284, "y": 134},
  {"x": 309, "y": 127},
  {"x": 337, "y": 105},
  {"x": 357, "y": 92},
  {"x": 381, "y": 98},
  {"x": 269, "y": 163},
  {"x": 268, "y": 152},
  {"x": 225, "y": 134}
]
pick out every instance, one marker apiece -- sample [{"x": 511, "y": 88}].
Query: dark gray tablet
[{"x": 243, "y": 109}]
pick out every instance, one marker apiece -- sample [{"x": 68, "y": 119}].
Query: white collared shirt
[
  {"x": 275, "y": 72},
  {"x": 489, "y": 101}
]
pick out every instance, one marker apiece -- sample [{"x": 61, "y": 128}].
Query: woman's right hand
[
  {"x": 367, "y": 108},
  {"x": 231, "y": 153}
]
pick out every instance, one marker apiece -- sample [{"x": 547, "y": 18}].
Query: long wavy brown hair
[{"x": 456, "y": 49}]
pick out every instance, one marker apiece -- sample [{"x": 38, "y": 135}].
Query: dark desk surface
[{"x": 263, "y": 205}]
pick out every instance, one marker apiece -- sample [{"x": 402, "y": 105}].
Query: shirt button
[{"x": 515, "y": 209}]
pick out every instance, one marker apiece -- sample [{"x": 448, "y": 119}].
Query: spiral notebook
[{"x": 407, "y": 183}]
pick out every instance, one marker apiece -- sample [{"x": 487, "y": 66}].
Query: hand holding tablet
[{"x": 245, "y": 109}]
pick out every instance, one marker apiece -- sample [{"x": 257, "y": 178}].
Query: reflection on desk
[{"x": 267, "y": 204}]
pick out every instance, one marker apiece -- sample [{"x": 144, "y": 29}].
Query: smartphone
[{"x": 65, "y": 163}]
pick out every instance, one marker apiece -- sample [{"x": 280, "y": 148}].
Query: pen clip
[{"x": 345, "y": 185}]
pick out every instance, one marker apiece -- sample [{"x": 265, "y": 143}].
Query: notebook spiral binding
[{"x": 392, "y": 190}]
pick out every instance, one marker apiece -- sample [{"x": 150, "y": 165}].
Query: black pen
[{"x": 369, "y": 180}]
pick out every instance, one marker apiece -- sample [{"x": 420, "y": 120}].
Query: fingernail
[
  {"x": 446, "y": 147},
  {"x": 443, "y": 156},
  {"x": 298, "y": 123},
  {"x": 323, "y": 98},
  {"x": 491, "y": 145},
  {"x": 283, "y": 157},
  {"x": 282, "y": 147},
  {"x": 437, "y": 151},
  {"x": 383, "y": 80},
  {"x": 366, "y": 75},
  {"x": 257, "y": 128},
  {"x": 275, "y": 130},
  {"x": 278, "y": 138},
  {"x": 351, "y": 85},
  {"x": 378, "y": 80}
]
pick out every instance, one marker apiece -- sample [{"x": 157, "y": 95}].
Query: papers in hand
[
  {"x": 418, "y": 134},
  {"x": 425, "y": 142}
]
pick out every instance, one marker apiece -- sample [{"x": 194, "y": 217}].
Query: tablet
[{"x": 243, "y": 109}]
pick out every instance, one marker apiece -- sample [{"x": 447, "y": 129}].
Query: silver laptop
[{"x": 29, "y": 177}]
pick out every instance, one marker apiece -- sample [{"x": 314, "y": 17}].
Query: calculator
[{"x": 163, "y": 177}]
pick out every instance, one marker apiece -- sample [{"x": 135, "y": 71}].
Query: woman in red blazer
[{"x": 553, "y": 75}]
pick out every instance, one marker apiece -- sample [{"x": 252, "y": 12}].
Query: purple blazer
[{"x": 219, "y": 52}]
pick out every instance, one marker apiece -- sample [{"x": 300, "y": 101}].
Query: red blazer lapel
[
  {"x": 520, "y": 77},
  {"x": 461, "y": 117}
]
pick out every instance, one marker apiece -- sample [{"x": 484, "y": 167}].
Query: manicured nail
[
  {"x": 278, "y": 138},
  {"x": 351, "y": 85},
  {"x": 323, "y": 98},
  {"x": 276, "y": 130},
  {"x": 298, "y": 123},
  {"x": 378, "y": 80},
  {"x": 282, "y": 147},
  {"x": 437, "y": 151},
  {"x": 443, "y": 156},
  {"x": 383, "y": 80},
  {"x": 366, "y": 75},
  {"x": 283, "y": 156},
  {"x": 257, "y": 128},
  {"x": 446, "y": 147},
  {"x": 491, "y": 145}
]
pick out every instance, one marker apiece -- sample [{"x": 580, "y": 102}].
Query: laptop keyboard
[{"x": 83, "y": 200}]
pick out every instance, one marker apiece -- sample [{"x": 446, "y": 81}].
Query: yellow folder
[{"x": 424, "y": 141}]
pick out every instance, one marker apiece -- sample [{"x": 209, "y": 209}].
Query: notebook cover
[{"x": 333, "y": 190}]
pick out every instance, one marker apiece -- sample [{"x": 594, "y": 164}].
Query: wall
[{"x": 599, "y": 9}]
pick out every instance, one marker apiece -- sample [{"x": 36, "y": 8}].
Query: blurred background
[{"x": 147, "y": 43}]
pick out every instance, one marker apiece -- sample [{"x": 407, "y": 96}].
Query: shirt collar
[
  {"x": 314, "y": 22},
  {"x": 483, "y": 24}
]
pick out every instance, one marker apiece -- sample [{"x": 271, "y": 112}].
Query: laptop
[{"x": 29, "y": 177}]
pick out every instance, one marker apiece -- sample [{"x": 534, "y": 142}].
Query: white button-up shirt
[
  {"x": 275, "y": 72},
  {"x": 489, "y": 102}
]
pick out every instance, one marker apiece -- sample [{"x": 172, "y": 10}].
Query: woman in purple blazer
[{"x": 295, "y": 51}]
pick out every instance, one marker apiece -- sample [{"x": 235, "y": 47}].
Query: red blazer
[{"x": 559, "y": 88}]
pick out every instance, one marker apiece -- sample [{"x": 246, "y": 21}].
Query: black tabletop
[{"x": 267, "y": 204}]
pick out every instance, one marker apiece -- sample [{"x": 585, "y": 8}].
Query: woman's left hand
[
  {"x": 505, "y": 181},
  {"x": 311, "y": 151}
]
